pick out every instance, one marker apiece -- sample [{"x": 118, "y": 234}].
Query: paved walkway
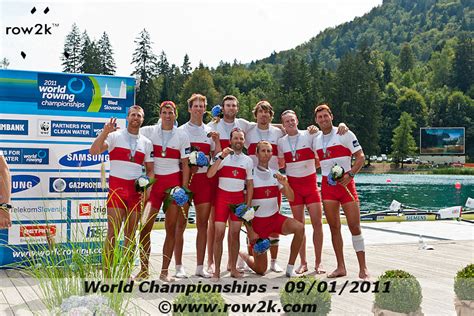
[{"x": 388, "y": 246}]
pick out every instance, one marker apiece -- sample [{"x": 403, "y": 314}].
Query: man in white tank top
[
  {"x": 333, "y": 149},
  {"x": 128, "y": 151}
]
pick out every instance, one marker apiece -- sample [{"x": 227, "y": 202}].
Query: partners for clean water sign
[{"x": 47, "y": 123}]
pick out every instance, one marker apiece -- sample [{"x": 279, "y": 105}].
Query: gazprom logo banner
[
  {"x": 78, "y": 185},
  {"x": 83, "y": 158},
  {"x": 83, "y": 93},
  {"x": 22, "y": 182}
]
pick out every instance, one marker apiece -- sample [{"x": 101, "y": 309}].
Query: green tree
[
  {"x": 186, "y": 69},
  {"x": 403, "y": 143},
  {"x": 463, "y": 67},
  {"x": 89, "y": 59},
  {"x": 72, "y": 50},
  {"x": 145, "y": 65},
  {"x": 414, "y": 104},
  {"x": 391, "y": 114},
  {"x": 201, "y": 82},
  {"x": 106, "y": 55},
  {"x": 407, "y": 59}
]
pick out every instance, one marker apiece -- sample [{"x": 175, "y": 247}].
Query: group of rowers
[{"x": 255, "y": 178}]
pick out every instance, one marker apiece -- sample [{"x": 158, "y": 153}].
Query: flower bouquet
[
  {"x": 143, "y": 183},
  {"x": 216, "y": 112},
  {"x": 244, "y": 213},
  {"x": 336, "y": 173},
  {"x": 262, "y": 245},
  {"x": 180, "y": 196},
  {"x": 197, "y": 159}
]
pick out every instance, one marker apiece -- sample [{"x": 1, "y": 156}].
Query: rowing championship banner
[{"x": 47, "y": 123}]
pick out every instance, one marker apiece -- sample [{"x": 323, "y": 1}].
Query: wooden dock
[{"x": 389, "y": 246}]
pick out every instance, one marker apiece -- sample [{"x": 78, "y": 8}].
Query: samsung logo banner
[
  {"x": 23, "y": 182},
  {"x": 83, "y": 158}
]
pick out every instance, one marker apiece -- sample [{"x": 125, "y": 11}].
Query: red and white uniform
[
  {"x": 233, "y": 173},
  {"x": 271, "y": 135},
  {"x": 266, "y": 193},
  {"x": 200, "y": 184},
  {"x": 169, "y": 148},
  {"x": 300, "y": 166},
  {"x": 335, "y": 149},
  {"x": 124, "y": 169},
  {"x": 224, "y": 129}
]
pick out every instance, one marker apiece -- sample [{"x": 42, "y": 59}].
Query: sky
[{"x": 209, "y": 31}]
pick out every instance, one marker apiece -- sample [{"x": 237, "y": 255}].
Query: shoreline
[{"x": 390, "y": 168}]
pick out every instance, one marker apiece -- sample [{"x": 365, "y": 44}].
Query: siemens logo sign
[
  {"x": 23, "y": 182},
  {"x": 82, "y": 158}
]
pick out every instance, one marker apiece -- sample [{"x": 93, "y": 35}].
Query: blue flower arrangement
[
  {"x": 262, "y": 245},
  {"x": 216, "y": 111}
]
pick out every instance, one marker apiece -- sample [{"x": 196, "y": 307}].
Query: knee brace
[{"x": 358, "y": 243}]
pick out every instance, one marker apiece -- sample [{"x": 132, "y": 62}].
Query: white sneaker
[
  {"x": 275, "y": 267},
  {"x": 292, "y": 274},
  {"x": 180, "y": 273}
]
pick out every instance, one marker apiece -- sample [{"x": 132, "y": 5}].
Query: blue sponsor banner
[
  {"x": 78, "y": 185},
  {"x": 26, "y": 156},
  {"x": 14, "y": 127},
  {"x": 75, "y": 129},
  {"x": 22, "y": 182},
  {"x": 82, "y": 158}
]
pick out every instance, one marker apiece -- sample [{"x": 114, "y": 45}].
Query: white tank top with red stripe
[
  {"x": 254, "y": 135},
  {"x": 298, "y": 153},
  {"x": 198, "y": 138},
  {"x": 233, "y": 172},
  {"x": 224, "y": 129},
  {"x": 169, "y": 147},
  {"x": 335, "y": 149},
  {"x": 266, "y": 190},
  {"x": 122, "y": 164}
]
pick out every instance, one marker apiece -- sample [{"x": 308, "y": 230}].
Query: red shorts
[
  {"x": 202, "y": 188},
  {"x": 163, "y": 183},
  {"x": 122, "y": 194},
  {"x": 306, "y": 190},
  {"x": 266, "y": 226},
  {"x": 338, "y": 192},
  {"x": 222, "y": 208}
]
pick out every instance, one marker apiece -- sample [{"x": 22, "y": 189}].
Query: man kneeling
[{"x": 268, "y": 220}]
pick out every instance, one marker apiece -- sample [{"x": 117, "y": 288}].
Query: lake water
[{"x": 426, "y": 192}]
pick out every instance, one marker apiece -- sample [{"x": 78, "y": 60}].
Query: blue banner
[{"x": 26, "y": 156}]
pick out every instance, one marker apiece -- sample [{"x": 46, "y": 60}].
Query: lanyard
[
  {"x": 293, "y": 149},
  {"x": 133, "y": 146},
  {"x": 165, "y": 141},
  {"x": 325, "y": 144},
  {"x": 261, "y": 136}
]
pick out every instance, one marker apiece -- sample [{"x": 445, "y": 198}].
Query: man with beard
[
  {"x": 333, "y": 149},
  {"x": 234, "y": 174},
  {"x": 171, "y": 150},
  {"x": 207, "y": 141},
  {"x": 128, "y": 151}
]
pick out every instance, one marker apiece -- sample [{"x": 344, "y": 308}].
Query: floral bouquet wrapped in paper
[
  {"x": 244, "y": 213},
  {"x": 198, "y": 159}
]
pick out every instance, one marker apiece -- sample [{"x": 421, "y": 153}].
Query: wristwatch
[
  {"x": 351, "y": 174},
  {"x": 5, "y": 206}
]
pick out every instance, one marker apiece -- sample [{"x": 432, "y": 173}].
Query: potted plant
[
  {"x": 312, "y": 294},
  {"x": 202, "y": 301},
  {"x": 403, "y": 296},
  {"x": 464, "y": 290}
]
